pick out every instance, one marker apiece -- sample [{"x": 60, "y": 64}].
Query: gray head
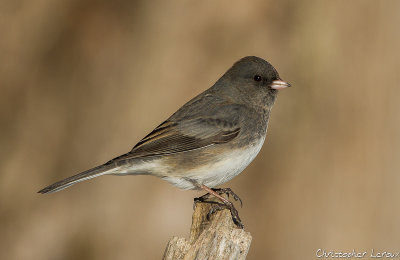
[{"x": 252, "y": 78}]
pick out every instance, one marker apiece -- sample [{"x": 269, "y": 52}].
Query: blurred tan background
[{"x": 82, "y": 81}]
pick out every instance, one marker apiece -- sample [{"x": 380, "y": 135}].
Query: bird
[{"x": 208, "y": 141}]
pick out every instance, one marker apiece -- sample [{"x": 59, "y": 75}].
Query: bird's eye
[{"x": 257, "y": 78}]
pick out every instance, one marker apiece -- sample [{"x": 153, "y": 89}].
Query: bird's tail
[{"x": 83, "y": 176}]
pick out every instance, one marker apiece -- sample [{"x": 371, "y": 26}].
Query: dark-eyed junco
[{"x": 209, "y": 140}]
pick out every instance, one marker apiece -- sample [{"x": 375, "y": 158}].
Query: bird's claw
[
  {"x": 217, "y": 206},
  {"x": 221, "y": 206},
  {"x": 234, "y": 213},
  {"x": 228, "y": 192}
]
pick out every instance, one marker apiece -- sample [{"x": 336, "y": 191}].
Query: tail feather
[{"x": 83, "y": 176}]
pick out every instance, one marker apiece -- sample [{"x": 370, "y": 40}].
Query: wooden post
[{"x": 217, "y": 238}]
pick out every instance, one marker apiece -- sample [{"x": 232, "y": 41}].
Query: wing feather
[
  {"x": 183, "y": 133},
  {"x": 167, "y": 138}
]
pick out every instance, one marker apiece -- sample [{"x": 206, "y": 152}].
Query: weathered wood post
[{"x": 217, "y": 238}]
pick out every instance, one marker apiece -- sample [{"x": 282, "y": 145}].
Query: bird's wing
[{"x": 176, "y": 136}]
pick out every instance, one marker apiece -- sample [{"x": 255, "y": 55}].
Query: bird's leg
[
  {"x": 220, "y": 191},
  {"x": 226, "y": 204}
]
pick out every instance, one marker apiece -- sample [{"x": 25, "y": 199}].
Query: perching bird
[{"x": 209, "y": 140}]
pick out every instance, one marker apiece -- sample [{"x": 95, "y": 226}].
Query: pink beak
[{"x": 279, "y": 84}]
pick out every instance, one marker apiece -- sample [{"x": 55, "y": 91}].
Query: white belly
[{"x": 228, "y": 166}]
